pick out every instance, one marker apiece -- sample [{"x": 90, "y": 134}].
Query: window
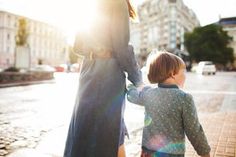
[
  {"x": 8, "y": 36},
  {"x": 172, "y": 1},
  {"x": 151, "y": 35},
  {"x": 15, "y": 23},
  {"x": 8, "y": 61},
  {"x": 35, "y": 28},
  {"x": 8, "y": 49},
  {"x": 173, "y": 38},
  {"x": 9, "y": 20},
  {"x": 173, "y": 30},
  {"x": 172, "y": 45}
]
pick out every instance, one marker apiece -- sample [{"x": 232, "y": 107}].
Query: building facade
[
  {"x": 229, "y": 25},
  {"x": 162, "y": 24},
  {"x": 46, "y": 42}
]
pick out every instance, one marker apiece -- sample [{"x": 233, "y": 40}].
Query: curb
[{"x": 25, "y": 83}]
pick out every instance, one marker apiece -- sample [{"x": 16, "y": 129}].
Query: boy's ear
[{"x": 172, "y": 75}]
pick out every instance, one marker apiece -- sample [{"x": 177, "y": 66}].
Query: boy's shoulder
[
  {"x": 145, "y": 90},
  {"x": 149, "y": 89},
  {"x": 184, "y": 95},
  {"x": 180, "y": 93}
]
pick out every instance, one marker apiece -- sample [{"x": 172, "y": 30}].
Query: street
[{"x": 28, "y": 114}]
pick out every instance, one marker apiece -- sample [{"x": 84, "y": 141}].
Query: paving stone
[
  {"x": 230, "y": 150},
  {"x": 8, "y": 147},
  {"x": 2, "y": 146},
  {"x": 32, "y": 144},
  {"x": 18, "y": 144},
  {"x": 3, "y": 152}
]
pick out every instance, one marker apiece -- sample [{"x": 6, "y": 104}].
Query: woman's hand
[{"x": 140, "y": 87}]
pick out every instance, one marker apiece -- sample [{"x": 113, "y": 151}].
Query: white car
[{"x": 206, "y": 67}]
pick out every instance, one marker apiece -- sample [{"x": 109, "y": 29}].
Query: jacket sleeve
[
  {"x": 120, "y": 38},
  {"x": 135, "y": 95},
  {"x": 193, "y": 128}
]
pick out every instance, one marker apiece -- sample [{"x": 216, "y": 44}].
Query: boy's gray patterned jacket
[{"x": 170, "y": 113}]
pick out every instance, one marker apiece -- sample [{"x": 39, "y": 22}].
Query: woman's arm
[{"x": 120, "y": 38}]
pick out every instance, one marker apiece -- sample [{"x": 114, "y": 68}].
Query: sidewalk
[{"x": 220, "y": 130}]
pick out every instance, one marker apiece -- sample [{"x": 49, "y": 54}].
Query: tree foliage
[
  {"x": 22, "y": 33},
  {"x": 72, "y": 56},
  {"x": 209, "y": 43}
]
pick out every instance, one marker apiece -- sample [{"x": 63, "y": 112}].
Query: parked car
[
  {"x": 206, "y": 67},
  {"x": 61, "y": 68}
]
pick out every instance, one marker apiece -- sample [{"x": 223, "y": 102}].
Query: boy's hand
[
  {"x": 140, "y": 87},
  {"x": 130, "y": 86}
]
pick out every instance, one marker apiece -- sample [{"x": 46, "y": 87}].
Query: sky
[
  {"x": 209, "y": 11},
  {"x": 56, "y": 12}
]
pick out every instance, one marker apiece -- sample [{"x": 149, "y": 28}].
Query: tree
[
  {"x": 209, "y": 43},
  {"x": 72, "y": 56},
  {"x": 22, "y": 34}
]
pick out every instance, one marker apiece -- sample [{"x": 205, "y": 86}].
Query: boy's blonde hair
[{"x": 163, "y": 65}]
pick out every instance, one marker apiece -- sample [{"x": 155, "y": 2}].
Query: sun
[{"x": 76, "y": 15}]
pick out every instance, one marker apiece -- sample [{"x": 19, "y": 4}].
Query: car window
[
  {"x": 208, "y": 64},
  {"x": 205, "y": 63}
]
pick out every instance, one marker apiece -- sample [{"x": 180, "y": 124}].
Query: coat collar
[{"x": 162, "y": 85}]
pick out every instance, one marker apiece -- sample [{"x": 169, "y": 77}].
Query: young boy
[{"x": 170, "y": 113}]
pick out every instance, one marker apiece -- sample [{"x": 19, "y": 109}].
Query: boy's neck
[{"x": 170, "y": 81}]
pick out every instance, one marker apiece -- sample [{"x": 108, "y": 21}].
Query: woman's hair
[
  {"x": 132, "y": 12},
  {"x": 163, "y": 65}
]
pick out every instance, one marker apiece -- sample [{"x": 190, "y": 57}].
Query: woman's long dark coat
[{"x": 97, "y": 117}]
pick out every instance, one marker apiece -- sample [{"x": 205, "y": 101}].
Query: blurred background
[
  {"x": 39, "y": 70},
  {"x": 51, "y": 27}
]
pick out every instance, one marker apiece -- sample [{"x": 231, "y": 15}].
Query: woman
[{"x": 97, "y": 126}]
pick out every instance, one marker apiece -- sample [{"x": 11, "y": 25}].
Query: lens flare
[{"x": 148, "y": 120}]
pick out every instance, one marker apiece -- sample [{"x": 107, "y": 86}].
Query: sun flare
[{"x": 76, "y": 15}]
